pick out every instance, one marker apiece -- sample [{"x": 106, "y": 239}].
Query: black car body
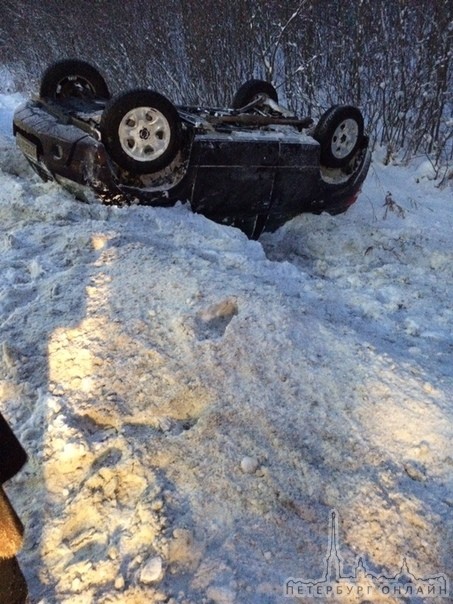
[{"x": 254, "y": 166}]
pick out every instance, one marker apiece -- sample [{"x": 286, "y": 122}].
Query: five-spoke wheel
[
  {"x": 71, "y": 78},
  {"x": 340, "y": 134},
  {"x": 141, "y": 130}
]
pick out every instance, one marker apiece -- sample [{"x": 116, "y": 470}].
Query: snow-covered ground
[{"x": 195, "y": 404}]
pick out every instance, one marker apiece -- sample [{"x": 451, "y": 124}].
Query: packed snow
[{"x": 195, "y": 404}]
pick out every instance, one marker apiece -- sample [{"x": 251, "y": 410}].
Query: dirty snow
[{"x": 195, "y": 404}]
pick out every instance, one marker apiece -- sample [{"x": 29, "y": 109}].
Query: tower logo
[{"x": 362, "y": 582}]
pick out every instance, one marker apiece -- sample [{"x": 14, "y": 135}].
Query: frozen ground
[{"x": 195, "y": 404}]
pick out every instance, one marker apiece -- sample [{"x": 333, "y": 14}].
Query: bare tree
[{"x": 392, "y": 58}]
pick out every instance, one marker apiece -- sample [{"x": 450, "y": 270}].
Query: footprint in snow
[{"x": 212, "y": 322}]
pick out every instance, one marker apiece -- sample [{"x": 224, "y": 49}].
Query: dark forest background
[{"x": 392, "y": 58}]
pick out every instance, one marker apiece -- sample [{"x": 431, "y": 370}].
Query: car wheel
[
  {"x": 251, "y": 89},
  {"x": 141, "y": 131},
  {"x": 340, "y": 133},
  {"x": 71, "y": 78}
]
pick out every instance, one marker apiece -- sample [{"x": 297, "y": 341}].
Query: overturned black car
[{"x": 254, "y": 165}]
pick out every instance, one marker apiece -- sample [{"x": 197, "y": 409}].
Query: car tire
[
  {"x": 252, "y": 88},
  {"x": 71, "y": 78},
  {"x": 141, "y": 130},
  {"x": 340, "y": 134}
]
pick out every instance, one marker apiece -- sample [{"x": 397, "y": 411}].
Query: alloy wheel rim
[
  {"x": 144, "y": 134},
  {"x": 74, "y": 86},
  {"x": 344, "y": 138}
]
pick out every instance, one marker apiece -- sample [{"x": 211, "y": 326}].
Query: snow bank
[{"x": 194, "y": 404}]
